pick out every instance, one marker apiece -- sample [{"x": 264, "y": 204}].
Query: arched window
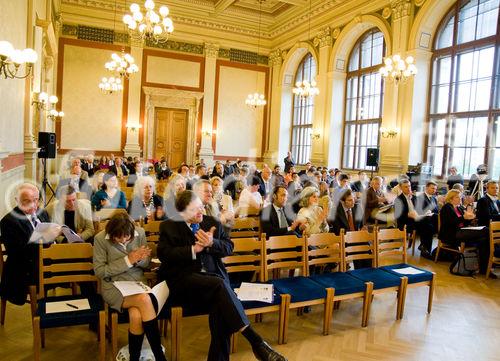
[
  {"x": 364, "y": 99},
  {"x": 302, "y": 116},
  {"x": 464, "y": 110}
]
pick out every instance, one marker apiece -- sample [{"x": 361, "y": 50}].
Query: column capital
[
  {"x": 323, "y": 38},
  {"x": 276, "y": 57},
  {"x": 400, "y": 8},
  {"x": 211, "y": 50}
]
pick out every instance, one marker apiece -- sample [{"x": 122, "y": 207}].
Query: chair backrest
[
  {"x": 65, "y": 263},
  {"x": 248, "y": 212},
  {"x": 245, "y": 227},
  {"x": 129, "y": 192},
  {"x": 283, "y": 252},
  {"x": 82, "y": 195},
  {"x": 325, "y": 248},
  {"x": 390, "y": 242},
  {"x": 107, "y": 213},
  {"x": 494, "y": 238},
  {"x": 152, "y": 229},
  {"x": 247, "y": 256},
  {"x": 359, "y": 245}
]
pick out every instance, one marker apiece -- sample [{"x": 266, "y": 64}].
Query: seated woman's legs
[{"x": 479, "y": 238}]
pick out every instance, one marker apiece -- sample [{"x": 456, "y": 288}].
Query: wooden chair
[
  {"x": 65, "y": 263},
  {"x": 362, "y": 245},
  {"x": 242, "y": 212},
  {"x": 289, "y": 252},
  {"x": 494, "y": 240},
  {"x": 152, "y": 229},
  {"x": 449, "y": 247},
  {"x": 392, "y": 242},
  {"x": 246, "y": 227},
  {"x": 247, "y": 257},
  {"x": 412, "y": 237},
  {"x": 101, "y": 218},
  {"x": 129, "y": 192},
  {"x": 327, "y": 248}
]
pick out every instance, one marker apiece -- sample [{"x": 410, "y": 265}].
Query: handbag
[{"x": 465, "y": 264}]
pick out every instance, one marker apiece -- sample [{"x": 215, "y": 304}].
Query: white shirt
[
  {"x": 248, "y": 199},
  {"x": 494, "y": 199}
]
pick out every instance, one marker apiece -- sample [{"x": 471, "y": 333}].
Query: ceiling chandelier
[
  {"x": 397, "y": 69},
  {"x": 256, "y": 99},
  {"x": 152, "y": 26},
  {"x": 123, "y": 65},
  {"x": 307, "y": 88},
  {"x": 111, "y": 85}
]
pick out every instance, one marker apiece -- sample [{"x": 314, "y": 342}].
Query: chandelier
[
  {"x": 110, "y": 85},
  {"x": 123, "y": 65},
  {"x": 256, "y": 99},
  {"x": 152, "y": 26},
  {"x": 397, "y": 69},
  {"x": 46, "y": 102},
  {"x": 11, "y": 60},
  {"x": 305, "y": 88}
]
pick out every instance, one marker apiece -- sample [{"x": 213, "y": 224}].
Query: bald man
[{"x": 16, "y": 228}]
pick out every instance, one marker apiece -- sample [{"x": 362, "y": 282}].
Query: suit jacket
[
  {"x": 371, "y": 202},
  {"x": 175, "y": 251},
  {"x": 486, "y": 211},
  {"x": 340, "y": 220},
  {"x": 83, "y": 216},
  {"x": 113, "y": 169},
  {"x": 358, "y": 186},
  {"x": 288, "y": 163},
  {"x": 423, "y": 204},
  {"x": 83, "y": 184},
  {"x": 86, "y": 168},
  {"x": 20, "y": 269},
  {"x": 401, "y": 209},
  {"x": 270, "y": 223},
  {"x": 450, "y": 223}
]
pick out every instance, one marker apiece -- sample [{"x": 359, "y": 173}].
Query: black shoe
[
  {"x": 426, "y": 254},
  {"x": 264, "y": 352}
]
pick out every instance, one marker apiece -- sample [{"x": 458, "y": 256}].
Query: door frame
[{"x": 154, "y": 130}]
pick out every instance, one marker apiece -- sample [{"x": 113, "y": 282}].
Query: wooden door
[{"x": 171, "y": 135}]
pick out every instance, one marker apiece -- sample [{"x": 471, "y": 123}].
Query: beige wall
[{"x": 173, "y": 72}]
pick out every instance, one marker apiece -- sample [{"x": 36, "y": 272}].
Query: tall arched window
[
  {"x": 302, "y": 116},
  {"x": 464, "y": 110},
  {"x": 364, "y": 99}
]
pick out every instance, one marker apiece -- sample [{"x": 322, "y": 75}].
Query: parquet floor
[{"x": 464, "y": 325}]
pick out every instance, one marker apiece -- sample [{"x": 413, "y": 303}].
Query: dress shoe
[
  {"x": 264, "y": 352},
  {"x": 426, "y": 254}
]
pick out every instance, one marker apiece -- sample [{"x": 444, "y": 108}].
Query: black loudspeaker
[
  {"x": 47, "y": 145},
  {"x": 372, "y": 157}
]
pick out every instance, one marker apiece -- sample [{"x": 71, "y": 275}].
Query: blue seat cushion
[
  {"x": 381, "y": 279},
  {"x": 343, "y": 283},
  {"x": 248, "y": 305},
  {"x": 422, "y": 277},
  {"x": 61, "y": 319},
  {"x": 299, "y": 288}
]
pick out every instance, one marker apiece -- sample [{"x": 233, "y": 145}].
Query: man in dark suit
[
  {"x": 404, "y": 207},
  {"x": 488, "y": 207},
  {"x": 289, "y": 162},
  {"x": 77, "y": 178},
  {"x": 361, "y": 184},
  {"x": 266, "y": 184},
  {"x": 427, "y": 207},
  {"x": 275, "y": 220},
  {"x": 89, "y": 166},
  {"x": 20, "y": 269},
  {"x": 119, "y": 168},
  {"x": 191, "y": 249}
]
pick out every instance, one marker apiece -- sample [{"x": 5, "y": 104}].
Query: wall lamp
[
  {"x": 209, "y": 133},
  {"x": 315, "y": 135},
  {"x": 133, "y": 126},
  {"x": 12, "y": 59},
  {"x": 389, "y": 132},
  {"x": 44, "y": 101}
]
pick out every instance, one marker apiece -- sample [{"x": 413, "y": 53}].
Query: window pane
[
  {"x": 445, "y": 37},
  {"x": 467, "y": 22},
  {"x": 354, "y": 60},
  {"x": 487, "y": 18}
]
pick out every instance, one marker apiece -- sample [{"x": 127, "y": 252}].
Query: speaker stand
[{"x": 46, "y": 184}]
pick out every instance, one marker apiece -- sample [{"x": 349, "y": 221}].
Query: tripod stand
[{"x": 46, "y": 184}]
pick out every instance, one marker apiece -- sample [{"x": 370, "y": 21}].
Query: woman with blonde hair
[
  {"x": 176, "y": 185},
  {"x": 311, "y": 214},
  {"x": 145, "y": 203}
]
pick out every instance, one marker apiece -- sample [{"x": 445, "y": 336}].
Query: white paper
[
  {"x": 129, "y": 288},
  {"x": 45, "y": 233},
  {"x": 161, "y": 292},
  {"x": 408, "y": 271},
  {"x": 64, "y": 306},
  {"x": 473, "y": 228},
  {"x": 262, "y": 292},
  {"x": 71, "y": 236}
]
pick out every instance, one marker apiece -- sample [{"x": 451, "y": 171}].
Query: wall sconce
[
  {"x": 315, "y": 135},
  {"x": 133, "y": 126},
  {"x": 11, "y": 60},
  {"x": 209, "y": 133},
  {"x": 54, "y": 114},
  {"x": 389, "y": 132},
  {"x": 44, "y": 101}
]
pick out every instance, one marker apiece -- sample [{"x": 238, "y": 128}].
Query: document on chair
[
  {"x": 262, "y": 292},
  {"x": 71, "y": 236},
  {"x": 67, "y": 306},
  {"x": 129, "y": 288},
  {"x": 473, "y": 228},
  {"x": 408, "y": 271},
  {"x": 45, "y": 233}
]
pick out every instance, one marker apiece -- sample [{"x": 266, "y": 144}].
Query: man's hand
[
  {"x": 105, "y": 202},
  {"x": 198, "y": 248},
  {"x": 412, "y": 214},
  {"x": 205, "y": 239},
  {"x": 139, "y": 254}
]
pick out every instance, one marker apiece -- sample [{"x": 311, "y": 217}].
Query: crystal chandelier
[
  {"x": 397, "y": 69},
  {"x": 110, "y": 85},
  {"x": 152, "y": 26},
  {"x": 306, "y": 88},
  {"x": 257, "y": 100},
  {"x": 11, "y": 60},
  {"x": 122, "y": 65}
]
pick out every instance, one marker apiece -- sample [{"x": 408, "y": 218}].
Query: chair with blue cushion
[
  {"x": 392, "y": 242},
  {"x": 247, "y": 257},
  {"x": 325, "y": 249},
  {"x": 59, "y": 264},
  {"x": 289, "y": 253},
  {"x": 361, "y": 245}
]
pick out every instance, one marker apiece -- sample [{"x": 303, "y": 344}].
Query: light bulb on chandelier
[
  {"x": 122, "y": 65},
  {"x": 110, "y": 85},
  {"x": 397, "y": 69},
  {"x": 305, "y": 88},
  {"x": 152, "y": 26},
  {"x": 255, "y": 100}
]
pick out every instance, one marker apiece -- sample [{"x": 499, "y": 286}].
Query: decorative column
[
  {"x": 271, "y": 154},
  {"x": 320, "y": 125},
  {"x": 207, "y": 131},
  {"x": 132, "y": 147},
  {"x": 394, "y": 151}
]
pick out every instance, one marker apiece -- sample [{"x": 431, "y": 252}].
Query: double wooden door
[{"x": 171, "y": 135}]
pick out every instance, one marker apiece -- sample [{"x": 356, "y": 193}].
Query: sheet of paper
[
  {"x": 473, "y": 228},
  {"x": 129, "y": 288},
  {"x": 71, "y": 236},
  {"x": 408, "y": 271},
  {"x": 262, "y": 292},
  {"x": 45, "y": 233},
  {"x": 66, "y": 306},
  {"x": 161, "y": 292}
]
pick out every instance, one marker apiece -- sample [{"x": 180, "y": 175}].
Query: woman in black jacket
[{"x": 454, "y": 222}]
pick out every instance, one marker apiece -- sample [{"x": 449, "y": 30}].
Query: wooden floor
[{"x": 464, "y": 325}]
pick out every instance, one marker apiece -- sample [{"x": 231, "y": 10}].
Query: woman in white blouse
[
  {"x": 311, "y": 214},
  {"x": 250, "y": 196}
]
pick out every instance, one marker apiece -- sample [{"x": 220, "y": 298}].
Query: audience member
[
  {"x": 130, "y": 164},
  {"x": 145, "y": 203},
  {"x": 375, "y": 200},
  {"x": 218, "y": 171},
  {"x": 203, "y": 189},
  {"x": 454, "y": 177},
  {"x": 303, "y": 172},
  {"x": 138, "y": 173},
  {"x": 250, "y": 196},
  {"x": 289, "y": 162},
  {"x": 77, "y": 178},
  {"x": 88, "y": 165},
  {"x": 488, "y": 207},
  {"x": 325, "y": 201},
  {"x": 109, "y": 196},
  {"x": 311, "y": 214},
  {"x": 362, "y": 184},
  {"x": 176, "y": 185},
  {"x": 266, "y": 186},
  {"x": 191, "y": 251},
  {"x": 119, "y": 168},
  {"x": 275, "y": 220},
  {"x": 478, "y": 181},
  {"x": 103, "y": 163},
  {"x": 163, "y": 171},
  {"x": 223, "y": 200},
  {"x": 121, "y": 254},
  {"x": 277, "y": 177}
]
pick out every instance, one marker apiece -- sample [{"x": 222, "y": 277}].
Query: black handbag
[{"x": 466, "y": 264}]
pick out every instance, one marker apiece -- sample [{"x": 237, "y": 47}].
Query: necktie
[
  {"x": 34, "y": 221},
  {"x": 195, "y": 227},
  {"x": 350, "y": 220},
  {"x": 496, "y": 205},
  {"x": 283, "y": 221}
]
